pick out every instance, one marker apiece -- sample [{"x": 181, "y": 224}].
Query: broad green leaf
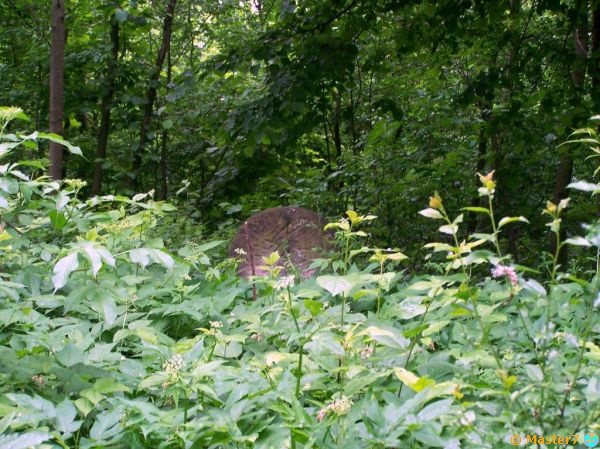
[
  {"x": 65, "y": 418},
  {"x": 162, "y": 258},
  {"x": 24, "y": 440},
  {"x": 435, "y": 327},
  {"x": 314, "y": 307},
  {"x": 353, "y": 216},
  {"x": 439, "y": 246},
  {"x": 584, "y": 186},
  {"x": 97, "y": 254},
  {"x": 7, "y": 146},
  {"x": 435, "y": 410},
  {"x": 106, "y": 385},
  {"x": 507, "y": 220},
  {"x": 58, "y": 219},
  {"x": 406, "y": 377},
  {"x": 432, "y": 213},
  {"x": 106, "y": 306},
  {"x": 534, "y": 372},
  {"x": 63, "y": 268},
  {"x": 335, "y": 284},
  {"x": 578, "y": 241},
  {"x": 57, "y": 139},
  {"x": 106, "y": 425},
  {"x": 450, "y": 229},
  {"x": 70, "y": 355},
  {"x": 386, "y": 336},
  {"x": 141, "y": 256}
]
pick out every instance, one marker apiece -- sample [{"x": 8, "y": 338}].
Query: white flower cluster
[
  {"x": 257, "y": 337},
  {"x": 39, "y": 380},
  {"x": 240, "y": 251},
  {"x": 285, "y": 282},
  {"x": 216, "y": 324},
  {"x": 174, "y": 364},
  {"x": 339, "y": 406},
  {"x": 366, "y": 352}
]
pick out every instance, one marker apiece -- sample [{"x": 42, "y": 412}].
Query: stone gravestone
[{"x": 295, "y": 233}]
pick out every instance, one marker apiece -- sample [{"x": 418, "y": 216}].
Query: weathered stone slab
[{"x": 295, "y": 232}]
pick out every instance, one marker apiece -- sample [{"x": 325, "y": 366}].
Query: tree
[
  {"x": 57, "y": 66},
  {"x": 151, "y": 93},
  {"x": 105, "y": 107}
]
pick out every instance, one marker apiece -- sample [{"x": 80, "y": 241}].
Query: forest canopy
[{"x": 371, "y": 105}]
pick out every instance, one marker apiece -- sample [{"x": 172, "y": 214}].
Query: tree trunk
[
  {"x": 595, "y": 56},
  {"x": 57, "y": 68},
  {"x": 105, "y": 107},
  {"x": 337, "y": 138},
  {"x": 151, "y": 94},
  {"x": 565, "y": 166},
  {"x": 165, "y": 138}
]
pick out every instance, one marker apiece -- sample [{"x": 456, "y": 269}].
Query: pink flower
[
  {"x": 509, "y": 272},
  {"x": 322, "y": 413}
]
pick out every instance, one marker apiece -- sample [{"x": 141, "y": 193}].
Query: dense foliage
[
  {"x": 450, "y": 132},
  {"x": 363, "y": 104},
  {"x": 108, "y": 338}
]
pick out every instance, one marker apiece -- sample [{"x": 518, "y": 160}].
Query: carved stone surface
[{"x": 295, "y": 232}]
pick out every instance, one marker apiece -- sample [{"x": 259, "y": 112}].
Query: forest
[{"x": 299, "y": 224}]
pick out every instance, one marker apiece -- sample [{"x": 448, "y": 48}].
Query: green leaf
[
  {"x": 507, "y": 220},
  {"x": 6, "y": 146},
  {"x": 162, "y": 258},
  {"x": 84, "y": 406},
  {"x": 23, "y": 441},
  {"x": 534, "y": 372},
  {"x": 578, "y": 241},
  {"x": 584, "y": 186},
  {"x": 140, "y": 256},
  {"x": 450, "y": 229},
  {"x": 335, "y": 284},
  {"x": 435, "y": 327},
  {"x": 57, "y": 219},
  {"x": 106, "y": 425},
  {"x": 70, "y": 355},
  {"x": 107, "y": 307},
  {"x": 63, "y": 268},
  {"x": 97, "y": 254},
  {"x": 106, "y": 385},
  {"x": 432, "y": 213},
  {"x": 65, "y": 418},
  {"x": 386, "y": 336},
  {"x": 481, "y": 210},
  {"x": 57, "y": 139},
  {"x": 313, "y": 307}
]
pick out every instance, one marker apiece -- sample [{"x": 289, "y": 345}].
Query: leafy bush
[{"x": 109, "y": 339}]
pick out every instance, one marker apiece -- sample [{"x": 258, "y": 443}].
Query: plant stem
[{"x": 494, "y": 227}]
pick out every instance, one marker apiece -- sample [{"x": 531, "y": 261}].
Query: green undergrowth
[{"x": 110, "y": 339}]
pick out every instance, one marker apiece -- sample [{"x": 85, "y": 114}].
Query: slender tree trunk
[
  {"x": 565, "y": 166},
  {"x": 105, "y": 107},
  {"x": 57, "y": 68},
  {"x": 595, "y": 56},
  {"x": 165, "y": 138},
  {"x": 151, "y": 93},
  {"x": 337, "y": 137}
]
